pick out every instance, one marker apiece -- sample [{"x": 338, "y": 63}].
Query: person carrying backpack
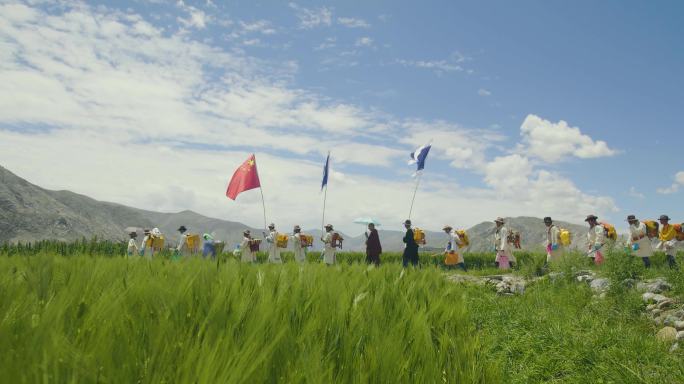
[
  {"x": 639, "y": 243},
  {"x": 667, "y": 240},
  {"x": 596, "y": 238}
]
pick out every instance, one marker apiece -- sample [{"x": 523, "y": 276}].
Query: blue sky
[{"x": 535, "y": 107}]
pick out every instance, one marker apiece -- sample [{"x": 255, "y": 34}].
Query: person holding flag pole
[{"x": 246, "y": 177}]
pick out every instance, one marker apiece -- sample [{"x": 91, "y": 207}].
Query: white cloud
[
  {"x": 678, "y": 182},
  {"x": 464, "y": 148},
  {"x": 260, "y": 26},
  {"x": 312, "y": 18},
  {"x": 351, "y": 22},
  {"x": 553, "y": 142},
  {"x": 364, "y": 42},
  {"x": 196, "y": 17},
  {"x": 438, "y": 66},
  {"x": 117, "y": 94},
  {"x": 483, "y": 92}
]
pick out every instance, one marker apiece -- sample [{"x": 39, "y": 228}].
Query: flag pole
[
  {"x": 326, "y": 176},
  {"x": 414, "y": 194},
  {"x": 325, "y": 197},
  {"x": 263, "y": 205}
]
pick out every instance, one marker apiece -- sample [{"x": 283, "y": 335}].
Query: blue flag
[
  {"x": 326, "y": 168},
  {"x": 418, "y": 157}
]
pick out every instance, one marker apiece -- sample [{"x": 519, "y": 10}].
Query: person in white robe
[
  {"x": 299, "y": 250},
  {"x": 596, "y": 238},
  {"x": 273, "y": 250},
  {"x": 501, "y": 244},
  {"x": 639, "y": 243},
  {"x": 328, "y": 246},
  {"x": 247, "y": 255},
  {"x": 554, "y": 249}
]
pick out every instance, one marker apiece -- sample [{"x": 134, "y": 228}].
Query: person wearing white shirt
[
  {"x": 453, "y": 257},
  {"x": 554, "y": 250},
  {"x": 145, "y": 246},
  {"x": 273, "y": 250},
  {"x": 182, "y": 247},
  {"x": 299, "y": 250},
  {"x": 639, "y": 243},
  {"x": 501, "y": 244},
  {"x": 132, "y": 245},
  {"x": 248, "y": 256},
  {"x": 328, "y": 246},
  {"x": 596, "y": 238}
]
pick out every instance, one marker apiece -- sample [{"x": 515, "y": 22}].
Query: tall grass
[{"x": 84, "y": 319}]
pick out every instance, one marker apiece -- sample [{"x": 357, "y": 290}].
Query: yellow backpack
[
  {"x": 281, "y": 240},
  {"x": 157, "y": 242},
  {"x": 610, "y": 231},
  {"x": 419, "y": 235},
  {"x": 565, "y": 237},
  {"x": 465, "y": 240},
  {"x": 193, "y": 242},
  {"x": 652, "y": 228}
]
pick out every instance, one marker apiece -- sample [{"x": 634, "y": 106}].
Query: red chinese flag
[{"x": 245, "y": 178}]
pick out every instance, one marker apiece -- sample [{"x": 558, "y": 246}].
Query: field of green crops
[{"x": 86, "y": 317}]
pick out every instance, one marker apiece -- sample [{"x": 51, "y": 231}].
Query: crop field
[{"x": 92, "y": 317}]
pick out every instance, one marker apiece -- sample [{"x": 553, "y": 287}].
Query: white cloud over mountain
[
  {"x": 553, "y": 142},
  {"x": 106, "y": 103}
]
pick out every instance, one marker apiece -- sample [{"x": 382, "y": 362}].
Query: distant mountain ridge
[{"x": 30, "y": 213}]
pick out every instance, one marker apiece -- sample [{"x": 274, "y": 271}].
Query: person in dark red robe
[{"x": 373, "y": 247}]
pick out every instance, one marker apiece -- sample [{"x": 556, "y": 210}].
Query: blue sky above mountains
[{"x": 534, "y": 108}]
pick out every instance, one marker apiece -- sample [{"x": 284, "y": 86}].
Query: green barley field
[{"x": 86, "y": 315}]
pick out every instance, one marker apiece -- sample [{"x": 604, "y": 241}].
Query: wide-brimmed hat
[
  {"x": 407, "y": 222},
  {"x": 664, "y": 217},
  {"x": 328, "y": 226},
  {"x": 499, "y": 220},
  {"x": 631, "y": 218},
  {"x": 547, "y": 219},
  {"x": 133, "y": 234},
  {"x": 146, "y": 231},
  {"x": 591, "y": 217},
  {"x": 182, "y": 228},
  {"x": 447, "y": 227}
]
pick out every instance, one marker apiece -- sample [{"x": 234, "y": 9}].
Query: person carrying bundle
[
  {"x": 554, "y": 248},
  {"x": 328, "y": 245},
  {"x": 667, "y": 239},
  {"x": 502, "y": 246},
  {"x": 183, "y": 249},
  {"x": 596, "y": 238},
  {"x": 247, "y": 248},
  {"x": 373, "y": 247},
  {"x": 273, "y": 249},
  {"x": 298, "y": 247},
  {"x": 639, "y": 242},
  {"x": 410, "y": 246},
  {"x": 146, "y": 245},
  {"x": 132, "y": 246},
  {"x": 452, "y": 258}
]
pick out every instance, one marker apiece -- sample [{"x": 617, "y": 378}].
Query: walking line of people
[{"x": 640, "y": 242}]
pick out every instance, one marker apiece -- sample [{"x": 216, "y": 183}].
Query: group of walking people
[{"x": 645, "y": 237}]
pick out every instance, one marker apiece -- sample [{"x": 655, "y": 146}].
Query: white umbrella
[{"x": 366, "y": 221}]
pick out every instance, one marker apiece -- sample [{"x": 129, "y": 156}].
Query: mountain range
[{"x": 30, "y": 213}]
